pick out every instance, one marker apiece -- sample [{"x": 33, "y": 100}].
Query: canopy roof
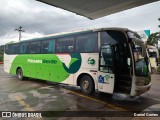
[{"x": 94, "y": 9}]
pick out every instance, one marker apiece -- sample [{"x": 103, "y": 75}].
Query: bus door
[
  {"x": 123, "y": 68},
  {"x": 106, "y": 78}
]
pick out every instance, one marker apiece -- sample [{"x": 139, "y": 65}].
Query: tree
[
  {"x": 153, "y": 39},
  {"x": 10, "y": 42},
  {"x": 1, "y": 53}
]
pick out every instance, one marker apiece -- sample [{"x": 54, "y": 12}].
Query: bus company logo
[
  {"x": 34, "y": 61},
  {"x": 42, "y": 61},
  {"x": 49, "y": 61},
  {"x": 91, "y": 61}
]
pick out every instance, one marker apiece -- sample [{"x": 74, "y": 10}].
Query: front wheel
[
  {"x": 87, "y": 85},
  {"x": 20, "y": 74}
]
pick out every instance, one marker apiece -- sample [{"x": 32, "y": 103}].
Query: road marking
[
  {"x": 110, "y": 105},
  {"x": 26, "y": 106}
]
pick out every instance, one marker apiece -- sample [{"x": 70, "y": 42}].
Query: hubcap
[{"x": 86, "y": 85}]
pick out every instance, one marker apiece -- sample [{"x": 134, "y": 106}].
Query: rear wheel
[
  {"x": 20, "y": 74},
  {"x": 87, "y": 85}
]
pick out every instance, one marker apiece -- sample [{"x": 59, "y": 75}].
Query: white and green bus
[{"x": 110, "y": 60}]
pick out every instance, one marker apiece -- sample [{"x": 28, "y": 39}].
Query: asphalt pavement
[{"x": 67, "y": 102}]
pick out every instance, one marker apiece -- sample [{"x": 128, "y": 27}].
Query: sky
[{"x": 39, "y": 19}]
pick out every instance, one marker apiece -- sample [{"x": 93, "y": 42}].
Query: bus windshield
[
  {"x": 141, "y": 62},
  {"x": 140, "y": 55}
]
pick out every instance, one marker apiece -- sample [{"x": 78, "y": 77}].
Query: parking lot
[{"x": 37, "y": 95}]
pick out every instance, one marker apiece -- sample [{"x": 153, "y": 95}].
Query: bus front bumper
[{"x": 142, "y": 89}]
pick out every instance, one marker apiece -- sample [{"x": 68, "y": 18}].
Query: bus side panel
[
  {"x": 56, "y": 67},
  {"x": 41, "y": 66},
  {"x": 71, "y": 63},
  {"x": 90, "y": 63},
  {"x": 42, "y": 72},
  {"x": 31, "y": 70}
]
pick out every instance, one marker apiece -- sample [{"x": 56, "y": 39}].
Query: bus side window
[
  {"x": 112, "y": 36},
  {"x": 65, "y": 44},
  {"x": 87, "y": 43},
  {"x": 24, "y": 48},
  {"x": 48, "y": 46},
  {"x": 35, "y": 47},
  {"x": 15, "y": 49},
  {"x": 106, "y": 59},
  {"x": 8, "y": 49}
]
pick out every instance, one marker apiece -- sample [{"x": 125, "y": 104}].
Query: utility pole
[{"x": 20, "y": 30}]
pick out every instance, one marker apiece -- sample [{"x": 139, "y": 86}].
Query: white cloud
[
  {"x": 40, "y": 18},
  {"x": 15, "y": 37}
]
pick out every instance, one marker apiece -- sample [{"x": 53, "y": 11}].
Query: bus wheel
[
  {"x": 20, "y": 74},
  {"x": 87, "y": 85}
]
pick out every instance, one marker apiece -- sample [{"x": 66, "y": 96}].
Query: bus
[
  {"x": 109, "y": 60},
  {"x": 153, "y": 56}
]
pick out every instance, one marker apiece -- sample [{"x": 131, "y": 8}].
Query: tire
[
  {"x": 87, "y": 85},
  {"x": 20, "y": 74}
]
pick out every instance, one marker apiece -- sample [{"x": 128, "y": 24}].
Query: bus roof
[{"x": 63, "y": 34}]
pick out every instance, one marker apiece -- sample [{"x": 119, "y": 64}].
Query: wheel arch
[
  {"x": 18, "y": 67},
  {"x": 80, "y": 75}
]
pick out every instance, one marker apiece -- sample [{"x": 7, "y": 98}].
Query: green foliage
[
  {"x": 153, "y": 39},
  {"x": 1, "y": 49},
  {"x": 158, "y": 69},
  {"x": 10, "y": 42},
  {"x": 1, "y": 57},
  {"x": 1, "y": 53}
]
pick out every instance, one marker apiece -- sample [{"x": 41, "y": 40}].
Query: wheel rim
[{"x": 85, "y": 85}]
